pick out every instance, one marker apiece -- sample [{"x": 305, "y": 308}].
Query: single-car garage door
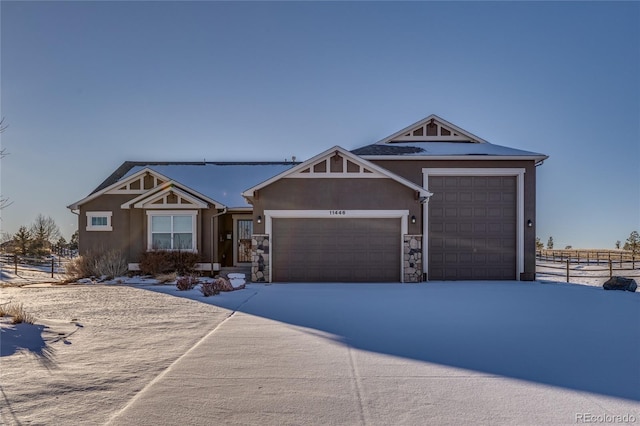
[
  {"x": 472, "y": 227},
  {"x": 336, "y": 250}
]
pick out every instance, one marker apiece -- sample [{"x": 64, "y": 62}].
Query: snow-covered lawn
[{"x": 95, "y": 347}]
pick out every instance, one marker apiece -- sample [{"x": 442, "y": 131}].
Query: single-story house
[{"x": 429, "y": 202}]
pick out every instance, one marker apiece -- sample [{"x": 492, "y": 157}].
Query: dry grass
[
  {"x": 16, "y": 312},
  {"x": 166, "y": 278}
]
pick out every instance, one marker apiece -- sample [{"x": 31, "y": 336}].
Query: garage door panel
[
  {"x": 475, "y": 238},
  {"x": 342, "y": 250}
]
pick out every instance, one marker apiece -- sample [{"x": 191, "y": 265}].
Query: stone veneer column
[
  {"x": 260, "y": 258},
  {"x": 412, "y": 258}
]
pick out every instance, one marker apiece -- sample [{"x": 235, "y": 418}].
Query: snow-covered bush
[
  {"x": 186, "y": 283},
  {"x": 209, "y": 288}
]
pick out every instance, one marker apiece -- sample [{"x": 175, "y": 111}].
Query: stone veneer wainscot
[
  {"x": 260, "y": 258},
  {"x": 412, "y": 258}
]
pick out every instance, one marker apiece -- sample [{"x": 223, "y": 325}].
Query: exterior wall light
[
  {"x": 413, "y": 219},
  {"x": 529, "y": 223},
  {"x": 259, "y": 219}
]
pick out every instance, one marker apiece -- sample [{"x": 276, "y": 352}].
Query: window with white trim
[
  {"x": 99, "y": 221},
  {"x": 171, "y": 230}
]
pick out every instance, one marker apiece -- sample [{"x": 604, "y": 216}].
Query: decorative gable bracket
[
  {"x": 139, "y": 183},
  {"x": 432, "y": 129},
  {"x": 168, "y": 198},
  {"x": 336, "y": 165}
]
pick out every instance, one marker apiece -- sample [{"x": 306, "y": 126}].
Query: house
[{"x": 431, "y": 201}]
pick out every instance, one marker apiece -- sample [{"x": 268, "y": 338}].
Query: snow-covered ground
[{"x": 94, "y": 347}]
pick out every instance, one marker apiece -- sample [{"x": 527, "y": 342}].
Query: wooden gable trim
[
  {"x": 119, "y": 185},
  {"x": 138, "y": 183},
  {"x": 337, "y": 165},
  {"x": 418, "y": 131},
  {"x": 168, "y": 198},
  {"x": 303, "y": 169}
]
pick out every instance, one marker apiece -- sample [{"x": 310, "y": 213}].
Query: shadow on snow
[{"x": 571, "y": 336}]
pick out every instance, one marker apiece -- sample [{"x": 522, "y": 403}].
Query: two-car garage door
[{"x": 336, "y": 249}]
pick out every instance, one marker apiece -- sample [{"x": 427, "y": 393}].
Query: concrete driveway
[{"x": 463, "y": 353}]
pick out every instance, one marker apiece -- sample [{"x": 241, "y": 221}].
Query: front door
[{"x": 244, "y": 230}]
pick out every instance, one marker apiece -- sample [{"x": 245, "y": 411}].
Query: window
[
  {"x": 99, "y": 221},
  {"x": 171, "y": 230}
]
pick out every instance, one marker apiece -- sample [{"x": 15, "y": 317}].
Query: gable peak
[{"x": 432, "y": 129}]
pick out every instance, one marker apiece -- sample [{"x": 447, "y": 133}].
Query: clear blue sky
[{"x": 88, "y": 85}]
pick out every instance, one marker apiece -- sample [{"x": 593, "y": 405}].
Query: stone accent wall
[
  {"x": 412, "y": 258},
  {"x": 260, "y": 258}
]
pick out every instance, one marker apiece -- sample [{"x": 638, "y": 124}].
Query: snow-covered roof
[
  {"x": 445, "y": 150},
  {"x": 223, "y": 182},
  {"x": 219, "y": 181}
]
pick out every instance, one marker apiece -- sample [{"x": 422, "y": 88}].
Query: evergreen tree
[
  {"x": 539, "y": 245},
  {"x": 550, "y": 243},
  {"x": 633, "y": 243},
  {"x": 73, "y": 243},
  {"x": 23, "y": 241}
]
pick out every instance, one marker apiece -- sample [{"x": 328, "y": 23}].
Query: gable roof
[
  {"x": 171, "y": 187},
  {"x": 367, "y": 169},
  {"x": 430, "y": 129},
  {"x": 446, "y": 151},
  {"x": 219, "y": 181},
  {"x": 434, "y": 138}
]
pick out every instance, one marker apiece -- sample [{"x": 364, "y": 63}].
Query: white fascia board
[
  {"x": 249, "y": 192},
  {"x": 470, "y": 157},
  {"x": 355, "y": 158},
  {"x": 425, "y": 120},
  {"x": 167, "y": 186},
  {"x": 114, "y": 185},
  {"x": 196, "y": 202}
]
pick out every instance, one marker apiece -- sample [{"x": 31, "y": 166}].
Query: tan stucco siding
[
  {"x": 339, "y": 194},
  {"x": 119, "y": 238},
  {"x": 129, "y": 234}
]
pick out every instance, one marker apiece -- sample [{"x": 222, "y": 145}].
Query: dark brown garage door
[
  {"x": 472, "y": 227},
  {"x": 336, "y": 250}
]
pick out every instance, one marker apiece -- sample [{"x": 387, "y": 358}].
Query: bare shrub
[
  {"x": 109, "y": 263},
  {"x": 17, "y": 313},
  {"x": 155, "y": 262},
  {"x": 184, "y": 262},
  {"x": 164, "y": 261},
  {"x": 166, "y": 278},
  {"x": 186, "y": 283},
  {"x": 223, "y": 284},
  {"x": 79, "y": 267},
  {"x": 209, "y": 288}
]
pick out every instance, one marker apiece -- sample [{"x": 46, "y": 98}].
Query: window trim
[
  {"x": 194, "y": 227},
  {"x": 92, "y": 214}
]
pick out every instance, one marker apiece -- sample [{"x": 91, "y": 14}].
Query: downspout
[{"x": 213, "y": 237}]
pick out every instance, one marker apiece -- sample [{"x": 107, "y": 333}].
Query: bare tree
[
  {"x": 4, "y": 202},
  {"x": 44, "y": 232}
]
